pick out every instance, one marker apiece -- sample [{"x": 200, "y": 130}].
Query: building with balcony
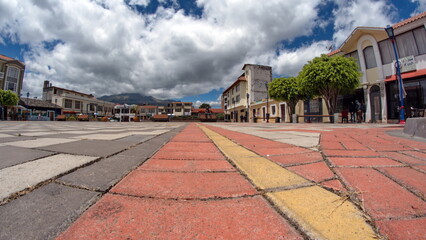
[
  {"x": 246, "y": 100},
  {"x": 373, "y": 50},
  {"x": 179, "y": 108},
  {"x": 74, "y": 103},
  {"x": 11, "y": 74}
]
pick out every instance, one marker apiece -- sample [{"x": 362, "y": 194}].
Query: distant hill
[{"x": 135, "y": 98}]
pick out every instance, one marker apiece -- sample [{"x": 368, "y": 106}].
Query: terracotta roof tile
[
  {"x": 334, "y": 52},
  {"x": 409, "y": 20}
]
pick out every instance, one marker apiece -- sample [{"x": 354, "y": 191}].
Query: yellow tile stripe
[{"x": 320, "y": 213}]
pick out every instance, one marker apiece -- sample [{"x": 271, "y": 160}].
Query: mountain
[{"x": 135, "y": 98}]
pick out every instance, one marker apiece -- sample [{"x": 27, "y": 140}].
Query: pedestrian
[
  {"x": 363, "y": 110},
  {"x": 358, "y": 111},
  {"x": 241, "y": 118},
  {"x": 352, "y": 110}
]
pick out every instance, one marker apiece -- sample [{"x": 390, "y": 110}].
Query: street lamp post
[
  {"x": 267, "y": 102},
  {"x": 391, "y": 34},
  {"x": 233, "y": 110},
  {"x": 248, "y": 108}
]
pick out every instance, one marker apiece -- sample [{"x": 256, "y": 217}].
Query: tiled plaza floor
[{"x": 210, "y": 181}]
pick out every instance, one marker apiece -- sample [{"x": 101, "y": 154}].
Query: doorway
[
  {"x": 282, "y": 108},
  {"x": 375, "y": 104}
]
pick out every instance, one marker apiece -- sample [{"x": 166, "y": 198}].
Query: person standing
[
  {"x": 363, "y": 110},
  {"x": 352, "y": 110},
  {"x": 358, "y": 111}
]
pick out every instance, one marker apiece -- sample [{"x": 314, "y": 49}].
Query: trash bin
[
  {"x": 336, "y": 118},
  {"x": 278, "y": 120}
]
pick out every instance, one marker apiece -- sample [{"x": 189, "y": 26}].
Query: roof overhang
[{"x": 352, "y": 41}]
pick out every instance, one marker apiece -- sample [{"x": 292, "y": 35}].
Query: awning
[{"x": 413, "y": 74}]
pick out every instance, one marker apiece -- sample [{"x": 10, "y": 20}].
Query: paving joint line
[{"x": 186, "y": 198}]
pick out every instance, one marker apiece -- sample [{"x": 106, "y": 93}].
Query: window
[
  {"x": 178, "y": 110},
  {"x": 237, "y": 98},
  {"x": 77, "y": 105},
  {"x": 370, "y": 58},
  {"x": 68, "y": 103},
  {"x": 354, "y": 55},
  {"x": 273, "y": 109},
  {"x": 406, "y": 45},
  {"x": 386, "y": 51},
  {"x": 12, "y": 77},
  {"x": 92, "y": 107},
  {"x": 100, "y": 108},
  {"x": 237, "y": 88},
  {"x": 420, "y": 37}
]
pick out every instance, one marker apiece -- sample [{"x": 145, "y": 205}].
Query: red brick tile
[
  {"x": 348, "y": 153},
  {"x": 120, "y": 217},
  {"x": 421, "y": 168},
  {"x": 315, "y": 171},
  {"x": 191, "y": 147},
  {"x": 354, "y": 145},
  {"x": 370, "y": 162},
  {"x": 383, "y": 198},
  {"x": 331, "y": 145},
  {"x": 388, "y": 148},
  {"x": 417, "y": 154},
  {"x": 297, "y": 158},
  {"x": 402, "y": 157},
  {"x": 188, "y": 155},
  {"x": 187, "y": 165},
  {"x": 410, "y": 229},
  {"x": 184, "y": 185},
  {"x": 190, "y": 138},
  {"x": 334, "y": 184},
  {"x": 413, "y": 179}
]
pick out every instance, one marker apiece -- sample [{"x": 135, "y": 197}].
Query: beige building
[
  {"x": 374, "y": 52},
  {"x": 11, "y": 74},
  {"x": 179, "y": 108},
  {"x": 73, "y": 102}
]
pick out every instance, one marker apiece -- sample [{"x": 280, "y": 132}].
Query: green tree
[
  {"x": 205, "y": 105},
  {"x": 288, "y": 90},
  {"x": 7, "y": 99},
  {"x": 330, "y": 77}
]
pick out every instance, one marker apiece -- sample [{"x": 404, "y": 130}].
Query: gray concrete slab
[
  {"x": 39, "y": 142},
  {"x": 43, "y": 213},
  {"x": 136, "y": 138},
  {"x": 10, "y": 156},
  {"x": 104, "y": 174},
  {"x": 27, "y": 175},
  {"x": 415, "y": 127},
  {"x": 15, "y": 139},
  {"x": 90, "y": 147}
]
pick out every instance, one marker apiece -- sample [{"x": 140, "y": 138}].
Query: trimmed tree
[
  {"x": 330, "y": 77},
  {"x": 288, "y": 90},
  {"x": 7, "y": 98},
  {"x": 205, "y": 105}
]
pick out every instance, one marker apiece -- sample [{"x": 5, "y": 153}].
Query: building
[
  {"x": 11, "y": 74},
  {"x": 246, "y": 100},
  {"x": 39, "y": 110},
  {"x": 147, "y": 111},
  {"x": 373, "y": 50},
  {"x": 179, "y": 108},
  {"x": 74, "y": 103}
]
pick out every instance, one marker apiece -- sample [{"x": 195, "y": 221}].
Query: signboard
[{"x": 407, "y": 64}]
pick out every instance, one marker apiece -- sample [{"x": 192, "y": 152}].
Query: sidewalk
[{"x": 356, "y": 184}]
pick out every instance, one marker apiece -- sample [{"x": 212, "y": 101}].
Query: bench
[
  {"x": 83, "y": 117},
  {"x": 160, "y": 118},
  {"x": 323, "y": 116},
  {"x": 61, "y": 118}
]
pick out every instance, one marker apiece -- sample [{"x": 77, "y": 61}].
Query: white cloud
[
  {"x": 143, "y": 3},
  {"x": 356, "y": 13},
  {"x": 106, "y": 47},
  {"x": 213, "y": 104},
  {"x": 421, "y": 6}
]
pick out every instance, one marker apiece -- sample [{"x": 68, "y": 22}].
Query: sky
[{"x": 188, "y": 50}]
